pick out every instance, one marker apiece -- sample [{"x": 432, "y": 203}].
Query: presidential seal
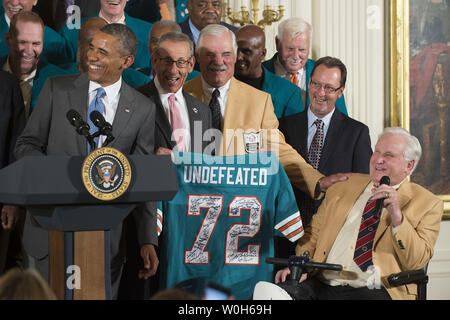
[{"x": 106, "y": 173}]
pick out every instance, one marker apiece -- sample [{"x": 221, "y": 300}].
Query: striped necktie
[
  {"x": 294, "y": 79},
  {"x": 364, "y": 244}
]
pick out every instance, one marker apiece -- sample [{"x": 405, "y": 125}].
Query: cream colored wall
[
  {"x": 354, "y": 31},
  {"x": 351, "y": 30},
  {"x": 439, "y": 267}
]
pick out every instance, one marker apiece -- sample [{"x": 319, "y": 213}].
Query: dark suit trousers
[{"x": 313, "y": 289}]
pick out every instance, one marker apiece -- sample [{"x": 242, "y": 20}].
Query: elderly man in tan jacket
[{"x": 370, "y": 247}]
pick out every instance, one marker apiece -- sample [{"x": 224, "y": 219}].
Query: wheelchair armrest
[{"x": 407, "y": 277}]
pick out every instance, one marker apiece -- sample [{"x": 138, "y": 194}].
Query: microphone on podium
[
  {"x": 81, "y": 126},
  {"x": 104, "y": 127}
]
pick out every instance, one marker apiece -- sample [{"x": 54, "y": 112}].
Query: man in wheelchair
[{"x": 371, "y": 241}]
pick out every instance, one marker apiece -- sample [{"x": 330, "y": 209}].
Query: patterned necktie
[
  {"x": 215, "y": 110},
  {"x": 315, "y": 150},
  {"x": 96, "y": 104},
  {"x": 364, "y": 244},
  {"x": 294, "y": 79},
  {"x": 177, "y": 123}
]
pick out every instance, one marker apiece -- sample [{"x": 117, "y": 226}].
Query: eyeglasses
[
  {"x": 179, "y": 63},
  {"x": 327, "y": 89}
]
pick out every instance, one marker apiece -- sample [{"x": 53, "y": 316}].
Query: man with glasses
[
  {"x": 291, "y": 62},
  {"x": 178, "y": 114},
  {"x": 329, "y": 140}
]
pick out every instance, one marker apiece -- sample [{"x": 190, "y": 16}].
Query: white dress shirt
[
  {"x": 195, "y": 31},
  {"x": 180, "y": 103},
  {"x": 343, "y": 248},
  {"x": 312, "y": 128},
  {"x": 121, "y": 20},
  {"x": 110, "y": 101},
  {"x": 208, "y": 90},
  {"x": 8, "y": 20}
]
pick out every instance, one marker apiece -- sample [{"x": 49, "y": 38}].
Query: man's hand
[
  {"x": 283, "y": 273},
  {"x": 163, "y": 151},
  {"x": 9, "y": 217},
  {"x": 390, "y": 202},
  {"x": 327, "y": 182},
  {"x": 151, "y": 262}
]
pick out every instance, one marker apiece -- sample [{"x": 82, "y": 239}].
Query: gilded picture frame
[{"x": 419, "y": 86}]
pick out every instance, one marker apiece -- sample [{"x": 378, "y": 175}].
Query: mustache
[
  {"x": 294, "y": 60},
  {"x": 11, "y": 7},
  {"x": 217, "y": 67},
  {"x": 209, "y": 15}
]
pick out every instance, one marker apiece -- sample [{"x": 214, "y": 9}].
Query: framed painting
[{"x": 420, "y": 86}]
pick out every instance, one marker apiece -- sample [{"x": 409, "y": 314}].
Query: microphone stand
[
  {"x": 91, "y": 141},
  {"x": 109, "y": 137}
]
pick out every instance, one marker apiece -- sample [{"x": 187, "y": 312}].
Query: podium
[{"x": 52, "y": 189}]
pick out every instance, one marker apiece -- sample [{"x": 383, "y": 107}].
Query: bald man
[
  {"x": 159, "y": 29},
  {"x": 286, "y": 97}
]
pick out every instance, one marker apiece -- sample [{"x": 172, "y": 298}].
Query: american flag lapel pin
[{"x": 127, "y": 110}]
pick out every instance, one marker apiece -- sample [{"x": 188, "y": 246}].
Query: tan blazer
[
  {"x": 251, "y": 110},
  {"x": 412, "y": 246}
]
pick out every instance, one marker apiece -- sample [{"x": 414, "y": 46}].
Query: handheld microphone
[
  {"x": 104, "y": 127},
  {"x": 81, "y": 126},
  {"x": 379, "y": 204}
]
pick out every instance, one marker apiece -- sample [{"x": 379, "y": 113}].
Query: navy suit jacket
[
  {"x": 346, "y": 148},
  {"x": 340, "y": 103}
]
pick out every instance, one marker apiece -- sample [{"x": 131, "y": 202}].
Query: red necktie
[
  {"x": 364, "y": 244},
  {"x": 177, "y": 124}
]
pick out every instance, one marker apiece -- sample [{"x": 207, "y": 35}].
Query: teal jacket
[
  {"x": 44, "y": 70},
  {"x": 340, "y": 103},
  {"x": 55, "y": 49},
  {"x": 286, "y": 97},
  {"x": 140, "y": 28}
]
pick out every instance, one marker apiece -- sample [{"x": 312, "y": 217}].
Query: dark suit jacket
[
  {"x": 12, "y": 123},
  {"x": 347, "y": 146},
  {"x": 186, "y": 29},
  {"x": 12, "y": 120},
  {"x": 197, "y": 111},
  {"x": 49, "y": 133}
]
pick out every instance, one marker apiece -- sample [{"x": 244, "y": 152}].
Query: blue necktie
[{"x": 96, "y": 104}]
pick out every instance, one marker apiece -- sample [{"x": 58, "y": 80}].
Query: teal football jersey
[{"x": 221, "y": 224}]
